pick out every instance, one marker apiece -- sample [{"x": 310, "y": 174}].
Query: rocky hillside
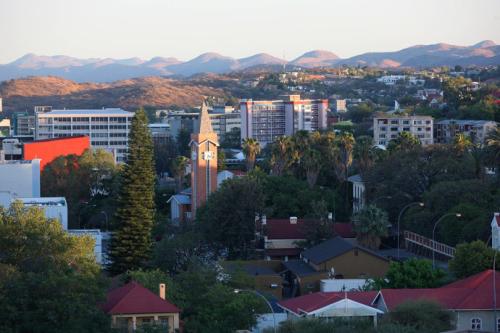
[{"x": 23, "y": 94}]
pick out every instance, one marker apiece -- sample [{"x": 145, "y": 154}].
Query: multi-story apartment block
[
  {"x": 446, "y": 130},
  {"x": 24, "y": 124},
  {"x": 107, "y": 128},
  {"x": 267, "y": 120},
  {"x": 223, "y": 119},
  {"x": 388, "y": 128},
  {"x": 339, "y": 105}
]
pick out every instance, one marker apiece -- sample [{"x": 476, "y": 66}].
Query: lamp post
[
  {"x": 237, "y": 291},
  {"x": 495, "y": 291},
  {"x": 421, "y": 204},
  {"x": 434, "y": 236}
]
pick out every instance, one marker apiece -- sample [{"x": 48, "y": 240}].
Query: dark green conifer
[{"x": 131, "y": 243}]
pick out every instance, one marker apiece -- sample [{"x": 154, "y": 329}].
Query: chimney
[
  {"x": 293, "y": 219},
  {"x": 162, "y": 290}
]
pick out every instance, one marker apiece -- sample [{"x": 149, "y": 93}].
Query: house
[
  {"x": 332, "y": 305},
  {"x": 132, "y": 306},
  {"x": 281, "y": 236},
  {"x": 471, "y": 299},
  {"x": 337, "y": 258},
  {"x": 347, "y": 259}
]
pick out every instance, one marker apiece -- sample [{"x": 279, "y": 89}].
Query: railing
[{"x": 429, "y": 244}]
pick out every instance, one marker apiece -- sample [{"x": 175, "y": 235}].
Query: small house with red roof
[
  {"x": 471, "y": 299},
  {"x": 332, "y": 305},
  {"x": 132, "y": 306}
]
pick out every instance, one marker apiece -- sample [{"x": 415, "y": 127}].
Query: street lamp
[
  {"x": 421, "y": 204},
  {"x": 495, "y": 291},
  {"x": 434, "y": 235},
  {"x": 237, "y": 291}
]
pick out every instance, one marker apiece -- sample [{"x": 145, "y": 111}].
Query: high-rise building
[
  {"x": 204, "y": 145},
  {"x": 446, "y": 130},
  {"x": 267, "y": 120},
  {"x": 388, "y": 128},
  {"x": 23, "y": 124},
  {"x": 107, "y": 128}
]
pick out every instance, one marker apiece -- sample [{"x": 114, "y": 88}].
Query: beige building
[
  {"x": 446, "y": 130},
  {"x": 267, "y": 120},
  {"x": 386, "y": 129}
]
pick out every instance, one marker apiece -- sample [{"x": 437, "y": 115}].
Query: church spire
[{"x": 204, "y": 123}]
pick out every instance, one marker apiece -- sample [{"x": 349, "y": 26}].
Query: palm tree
[
  {"x": 370, "y": 225},
  {"x": 283, "y": 155},
  {"x": 343, "y": 156},
  {"x": 312, "y": 163},
  {"x": 364, "y": 153},
  {"x": 178, "y": 168},
  {"x": 462, "y": 143},
  {"x": 493, "y": 146},
  {"x": 251, "y": 148}
]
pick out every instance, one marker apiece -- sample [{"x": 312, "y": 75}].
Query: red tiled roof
[
  {"x": 283, "y": 229},
  {"x": 315, "y": 301},
  {"x": 133, "y": 298},
  {"x": 472, "y": 293}
]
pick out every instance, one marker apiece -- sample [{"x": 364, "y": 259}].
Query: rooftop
[
  {"x": 105, "y": 111},
  {"x": 299, "y": 267},
  {"x": 133, "y": 298}
]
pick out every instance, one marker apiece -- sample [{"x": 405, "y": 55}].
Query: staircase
[{"x": 423, "y": 245}]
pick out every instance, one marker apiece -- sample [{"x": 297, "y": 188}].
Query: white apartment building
[
  {"x": 267, "y": 120},
  {"x": 446, "y": 130},
  {"x": 391, "y": 80},
  {"x": 107, "y": 128},
  {"x": 388, "y": 128}
]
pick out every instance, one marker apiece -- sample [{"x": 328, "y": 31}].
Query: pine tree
[{"x": 131, "y": 243}]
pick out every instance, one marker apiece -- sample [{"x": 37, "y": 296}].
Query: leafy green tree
[
  {"x": 251, "y": 148},
  {"x": 81, "y": 180},
  {"x": 493, "y": 146},
  {"x": 131, "y": 242},
  {"x": 312, "y": 164},
  {"x": 364, "y": 153},
  {"x": 462, "y": 143},
  {"x": 457, "y": 92},
  {"x": 232, "y": 139},
  {"x": 227, "y": 220},
  {"x": 471, "y": 258},
  {"x": 183, "y": 138},
  {"x": 425, "y": 316},
  {"x": 371, "y": 224},
  {"x": 413, "y": 273},
  {"x": 151, "y": 280},
  {"x": 42, "y": 270}
]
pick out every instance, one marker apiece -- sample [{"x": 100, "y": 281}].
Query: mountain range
[{"x": 108, "y": 69}]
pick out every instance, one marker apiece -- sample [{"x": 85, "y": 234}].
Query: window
[
  {"x": 475, "y": 324},
  {"x": 498, "y": 324}
]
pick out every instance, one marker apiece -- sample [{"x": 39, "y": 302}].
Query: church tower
[{"x": 203, "y": 161}]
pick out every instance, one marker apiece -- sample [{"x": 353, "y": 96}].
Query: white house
[
  {"x": 495, "y": 231},
  {"x": 358, "y": 193}
]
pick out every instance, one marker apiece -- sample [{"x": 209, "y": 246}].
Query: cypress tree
[{"x": 131, "y": 242}]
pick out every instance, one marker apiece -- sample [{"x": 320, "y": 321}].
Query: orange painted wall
[{"x": 49, "y": 149}]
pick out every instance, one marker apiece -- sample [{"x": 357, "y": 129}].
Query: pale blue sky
[{"x": 186, "y": 28}]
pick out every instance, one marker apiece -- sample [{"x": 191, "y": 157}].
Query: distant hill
[
  {"x": 109, "y": 70},
  {"x": 129, "y": 94}
]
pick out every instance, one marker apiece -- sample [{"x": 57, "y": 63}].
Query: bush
[{"x": 425, "y": 316}]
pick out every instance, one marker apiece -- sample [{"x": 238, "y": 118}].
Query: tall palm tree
[
  {"x": 364, "y": 153},
  {"x": 493, "y": 146},
  {"x": 178, "y": 168},
  {"x": 312, "y": 163},
  {"x": 345, "y": 147},
  {"x": 282, "y": 155},
  {"x": 251, "y": 148}
]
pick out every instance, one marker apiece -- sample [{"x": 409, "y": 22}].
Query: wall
[
  {"x": 21, "y": 178},
  {"x": 352, "y": 266},
  {"x": 487, "y": 320},
  {"x": 48, "y": 150}
]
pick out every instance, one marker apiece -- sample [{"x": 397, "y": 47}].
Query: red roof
[
  {"x": 283, "y": 229},
  {"x": 133, "y": 298},
  {"x": 472, "y": 293},
  {"x": 315, "y": 301},
  {"x": 497, "y": 218}
]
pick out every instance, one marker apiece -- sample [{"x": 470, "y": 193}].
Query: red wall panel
[{"x": 48, "y": 150}]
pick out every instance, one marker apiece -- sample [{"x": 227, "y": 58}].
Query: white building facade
[
  {"x": 267, "y": 120},
  {"x": 107, "y": 128},
  {"x": 446, "y": 130},
  {"x": 386, "y": 129}
]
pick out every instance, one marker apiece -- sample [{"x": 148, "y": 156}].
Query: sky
[{"x": 237, "y": 28}]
